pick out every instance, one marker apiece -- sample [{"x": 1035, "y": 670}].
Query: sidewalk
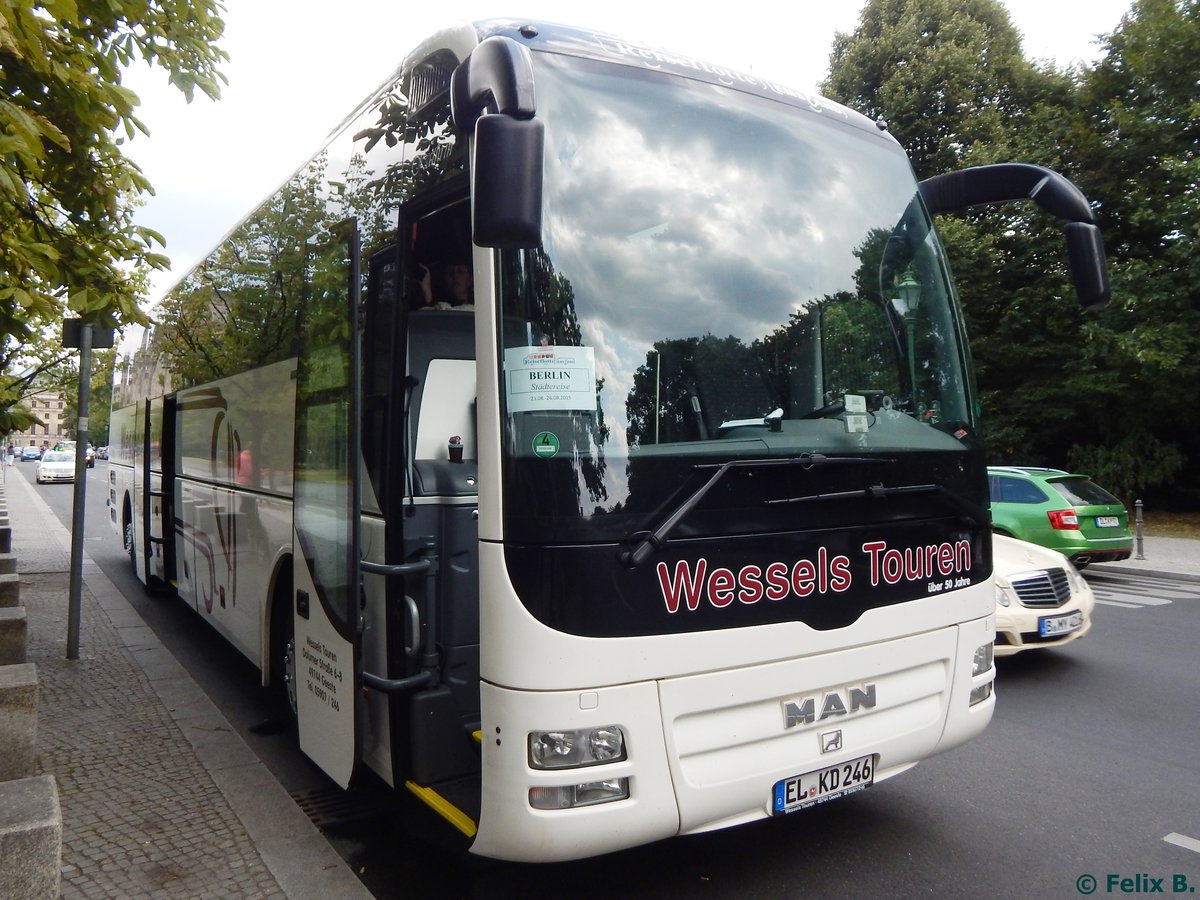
[
  {"x": 1168, "y": 557},
  {"x": 160, "y": 797}
]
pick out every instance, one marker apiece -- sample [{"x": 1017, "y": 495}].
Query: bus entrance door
[{"x": 326, "y": 658}]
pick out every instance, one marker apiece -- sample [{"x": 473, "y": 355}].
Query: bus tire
[
  {"x": 130, "y": 543},
  {"x": 283, "y": 646}
]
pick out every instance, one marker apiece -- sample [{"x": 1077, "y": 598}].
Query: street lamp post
[
  {"x": 657, "y": 385},
  {"x": 908, "y": 297}
]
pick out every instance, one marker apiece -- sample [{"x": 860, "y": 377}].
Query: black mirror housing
[
  {"x": 1088, "y": 264},
  {"x": 506, "y": 176}
]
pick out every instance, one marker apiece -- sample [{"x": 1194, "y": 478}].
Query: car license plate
[
  {"x": 1107, "y": 521},
  {"x": 1052, "y": 626},
  {"x": 811, "y": 788}
]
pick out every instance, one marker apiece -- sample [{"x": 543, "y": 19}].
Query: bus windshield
[{"x": 722, "y": 276}]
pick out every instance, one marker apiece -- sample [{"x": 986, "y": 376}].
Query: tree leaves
[
  {"x": 67, "y": 195},
  {"x": 1099, "y": 392}
]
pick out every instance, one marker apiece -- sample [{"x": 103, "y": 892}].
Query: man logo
[
  {"x": 831, "y": 741},
  {"x": 834, "y": 703}
]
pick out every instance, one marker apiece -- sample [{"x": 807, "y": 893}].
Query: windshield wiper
[
  {"x": 879, "y": 492},
  {"x": 649, "y": 542},
  {"x": 772, "y": 421}
]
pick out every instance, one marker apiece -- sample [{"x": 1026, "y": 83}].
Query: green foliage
[
  {"x": 67, "y": 194},
  {"x": 238, "y": 308},
  {"x": 99, "y": 396},
  {"x": 1136, "y": 461},
  {"x": 1097, "y": 392},
  {"x": 944, "y": 74}
]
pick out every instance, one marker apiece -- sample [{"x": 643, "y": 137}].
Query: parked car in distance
[
  {"x": 102, "y": 452},
  {"x": 28, "y": 453},
  {"x": 90, "y": 456},
  {"x": 1041, "y": 599},
  {"x": 56, "y": 465},
  {"x": 1060, "y": 510}
]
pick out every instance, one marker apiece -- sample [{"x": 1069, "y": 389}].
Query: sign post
[{"x": 83, "y": 335}]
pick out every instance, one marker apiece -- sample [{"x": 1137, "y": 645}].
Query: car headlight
[
  {"x": 1002, "y": 594},
  {"x": 1075, "y": 579}
]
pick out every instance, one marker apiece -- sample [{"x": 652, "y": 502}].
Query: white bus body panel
[
  {"x": 377, "y": 731},
  {"x": 325, "y": 685},
  {"x": 233, "y": 508},
  {"x": 706, "y": 708}
]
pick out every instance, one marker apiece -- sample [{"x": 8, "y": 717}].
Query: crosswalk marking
[
  {"x": 1139, "y": 591},
  {"x": 1141, "y": 601},
  {"x": 1182, "y": 840}
]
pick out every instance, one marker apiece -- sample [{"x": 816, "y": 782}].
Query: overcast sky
[{"x": 297, "y": 67}]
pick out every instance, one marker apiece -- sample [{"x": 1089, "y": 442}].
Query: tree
[
  {"x": 99, "y": 396},
  {"x": 67, "y": 194},
  {"x": 956, "y": 90},
  {"x": 944, "y": 74},
  {"x": 1141, "y": 155},
  {"x": 38, "y": 362},
  {"x": 239, "y": 307}
]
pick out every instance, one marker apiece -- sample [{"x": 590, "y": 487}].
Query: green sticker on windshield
[{"x": 545, "y": 445}]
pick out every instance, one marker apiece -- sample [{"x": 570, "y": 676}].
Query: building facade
[{"x": 50, "y": 407}]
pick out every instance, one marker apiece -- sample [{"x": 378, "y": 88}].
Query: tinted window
[
  {"x": 720, "y": 277},
  {"x": 1082, "y": 492},
  {"x": 1013, "y": 490}
]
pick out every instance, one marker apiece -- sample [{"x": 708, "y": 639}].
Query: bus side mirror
[
  {"x": 1087, "y": 263},
  {"x": 506, "y": 182},
  {"x": 1001, "y": 182}
]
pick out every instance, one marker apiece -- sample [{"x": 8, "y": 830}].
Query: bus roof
[{"x": 610, "y": 48}]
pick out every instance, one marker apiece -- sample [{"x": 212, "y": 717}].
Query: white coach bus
[{"x": 586, "y": 441}]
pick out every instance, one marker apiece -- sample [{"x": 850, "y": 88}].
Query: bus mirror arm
[{"x": 1057, "y": 195}]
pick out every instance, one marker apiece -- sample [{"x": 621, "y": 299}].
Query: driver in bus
[{"x": 455, "y": 286}]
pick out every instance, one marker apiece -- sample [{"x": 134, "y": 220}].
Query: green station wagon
[{"x": 1056, "y": 509}]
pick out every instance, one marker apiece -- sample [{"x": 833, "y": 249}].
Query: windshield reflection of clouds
[{"x": 723, "y": 216}]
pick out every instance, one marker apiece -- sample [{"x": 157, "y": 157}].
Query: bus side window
[
  {"x": 447, "y": 409},
  {"x": 441, "y": 366}
]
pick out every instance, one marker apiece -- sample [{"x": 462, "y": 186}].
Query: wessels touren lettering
[{"x": 693, "y": 582}]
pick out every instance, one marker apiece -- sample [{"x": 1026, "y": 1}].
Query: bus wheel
[
  {"x": 283, "y": 647},
  {"x": 289, "y": 674},
  {"x": 129, "y": 546}
]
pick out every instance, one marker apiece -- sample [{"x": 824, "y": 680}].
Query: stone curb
[
  {"x": 18, "y": 721},
  {"x": 30, "y": 838},
  {"x": 14, "y": 636}
]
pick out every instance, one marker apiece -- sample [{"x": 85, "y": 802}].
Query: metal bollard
[{"x": 1137, "y": 523}]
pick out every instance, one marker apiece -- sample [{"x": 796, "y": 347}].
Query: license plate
[
  {"x": 811, "y": 788},
  {"x": 1051, "y": 626},
  {"x": 1107, "y": 521}
]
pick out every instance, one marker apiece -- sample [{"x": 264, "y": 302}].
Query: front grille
[{"x": 1043, "y": 590}]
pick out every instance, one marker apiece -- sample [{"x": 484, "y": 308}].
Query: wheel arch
[{"x": 278, "y": 604}]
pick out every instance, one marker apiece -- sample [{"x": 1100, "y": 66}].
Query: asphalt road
[{"x": 1090, "y": 770}]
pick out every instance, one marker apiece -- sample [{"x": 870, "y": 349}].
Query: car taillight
[{"x": 1063, "y": 519}]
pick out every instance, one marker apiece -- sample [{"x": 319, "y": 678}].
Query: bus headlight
[
  {"x": 1002, "y": 598},
  {"x": 979, "y": 694},
  {"x": 983, "y": 659},
  {"x": 572, "y": 796},
  {"x": 573, "y": 749},
  {"x": 979, "y": 665}
]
